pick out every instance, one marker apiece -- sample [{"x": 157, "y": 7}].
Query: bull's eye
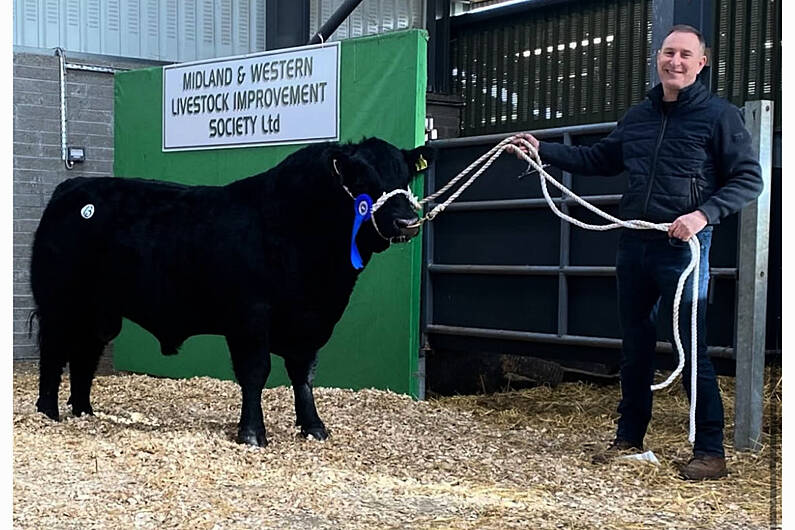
[{"x": 87, "y": 211}]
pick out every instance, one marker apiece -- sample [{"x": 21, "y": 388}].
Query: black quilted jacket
[{"x": 698, "y": 155}]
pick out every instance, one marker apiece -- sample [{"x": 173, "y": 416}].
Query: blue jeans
[{"x": 647, "y": 273}]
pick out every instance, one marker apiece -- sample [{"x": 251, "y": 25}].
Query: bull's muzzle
[{"x": 408, "y": 228}]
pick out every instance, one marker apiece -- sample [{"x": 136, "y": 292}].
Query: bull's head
[{"x": 375, "y": 167}]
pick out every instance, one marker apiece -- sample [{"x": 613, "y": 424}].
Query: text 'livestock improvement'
[{"x": 249, "y": 98}]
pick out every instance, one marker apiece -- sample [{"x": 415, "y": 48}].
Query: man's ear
[{"x": 418, "y": 159}]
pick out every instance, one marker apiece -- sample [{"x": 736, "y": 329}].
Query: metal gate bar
[
  {"x": 550, "y": 338},
  {"x": 572, "y": 270},
  {"x": 511, "y": 204}
]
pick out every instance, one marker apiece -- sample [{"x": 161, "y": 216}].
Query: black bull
[{"x": 263, "y": 261}]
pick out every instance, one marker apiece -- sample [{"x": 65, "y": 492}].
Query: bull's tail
[{"x": 33, "y": 316}]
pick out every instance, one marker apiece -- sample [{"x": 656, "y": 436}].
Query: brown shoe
[
  {"x": 704, "y": 467},
  {"x": 618, "y": 448}
]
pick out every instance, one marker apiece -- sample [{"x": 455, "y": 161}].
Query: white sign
[{"x": 280, "y": 97}]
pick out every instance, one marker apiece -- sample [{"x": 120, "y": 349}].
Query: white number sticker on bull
[
  {"x": 87, "y": 211},
  {"x": 281, "y": 97}
]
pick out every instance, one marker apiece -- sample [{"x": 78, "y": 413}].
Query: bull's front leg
[
  {"x": 301, "y": 371},
  {"x": 252, "y": 364}
]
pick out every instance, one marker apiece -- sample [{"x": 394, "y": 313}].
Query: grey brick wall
[{"x": 38, "y": 168}]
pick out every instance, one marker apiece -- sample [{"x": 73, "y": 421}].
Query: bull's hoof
[
  {"x": 49, "y": 409},
  {"x": 78, "y": 408},
  {"x": 318, "y": 432},
  {"x": 251, "y": 437}
]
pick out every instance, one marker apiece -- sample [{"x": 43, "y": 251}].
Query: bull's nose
[{"x": 406, "y": 226}]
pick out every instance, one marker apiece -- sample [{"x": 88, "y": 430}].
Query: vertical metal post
[
  {"x": 437, "y": 22},
  {"x": 662, "y": 18},
  {"x": 752, "y": 252},
  {"x": 286, "y": 23},
  {"x": 699, "y": 14},
  {"x": 426, "y": 313},
  {"x": 565, "y": 247}
]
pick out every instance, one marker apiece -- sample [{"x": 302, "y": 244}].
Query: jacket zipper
[{"x": 654, "y": 164}]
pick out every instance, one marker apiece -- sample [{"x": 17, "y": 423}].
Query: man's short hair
[{"x": 686, "y": 28}]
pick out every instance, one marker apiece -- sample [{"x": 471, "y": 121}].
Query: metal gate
[{"x": 504, "y": 274}]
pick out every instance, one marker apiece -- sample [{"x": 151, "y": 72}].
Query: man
[{"x": 690, "y": 164}]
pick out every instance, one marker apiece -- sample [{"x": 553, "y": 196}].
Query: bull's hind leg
[
  {"x": 301, "y": 371},
  {"x": 82, "y": 366},
  {"x": 252, "y": 365},
  {"x": 52, "y": 360},
  {"x": 84, "y": 356}
]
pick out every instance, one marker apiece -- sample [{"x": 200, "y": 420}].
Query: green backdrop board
[{"x": 376, "y": 344}]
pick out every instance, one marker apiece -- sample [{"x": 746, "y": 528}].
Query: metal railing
[{"x": 749, "y": 274}]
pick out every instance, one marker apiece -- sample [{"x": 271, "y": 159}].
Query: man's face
[{"x": 679, "y": 61}]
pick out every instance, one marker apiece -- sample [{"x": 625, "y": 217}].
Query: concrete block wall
[{"x": 38, "y": 167}]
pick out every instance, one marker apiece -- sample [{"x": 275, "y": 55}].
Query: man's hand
[
  {"x": 518, "y": 147},
  {"x": 686, "y": 226}
]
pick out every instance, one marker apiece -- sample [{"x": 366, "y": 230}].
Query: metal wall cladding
[
  {"x": 369, "y": 18},
  {"x": 587, "y": 62},
  {"x": 566, "y": 64},
  {"x": 164, "y": 30},
  {"x": 746, "y": 55}
]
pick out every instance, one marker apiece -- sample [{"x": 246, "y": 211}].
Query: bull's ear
[
  {"x": 346, "y": 167},
  {"x": 418, "y": 159}
]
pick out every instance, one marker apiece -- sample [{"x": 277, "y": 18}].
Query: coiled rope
[{"x": 534, "y": 162}]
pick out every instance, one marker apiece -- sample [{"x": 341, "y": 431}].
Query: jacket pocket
[{"x": 695, "y": 193}]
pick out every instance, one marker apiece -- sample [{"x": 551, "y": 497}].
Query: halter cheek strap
[{"x": 356, "y": 203}]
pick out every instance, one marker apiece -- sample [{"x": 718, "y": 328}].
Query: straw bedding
[{"x": 160, "y": 454}]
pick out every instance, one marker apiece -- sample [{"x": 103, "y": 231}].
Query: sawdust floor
[{"x": 160, "y": 454}]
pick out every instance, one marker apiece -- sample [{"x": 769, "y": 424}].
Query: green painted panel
[{"x": 382, "y": 93}]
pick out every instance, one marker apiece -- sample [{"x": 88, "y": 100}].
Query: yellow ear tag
[{"x": 421, "y": 163}]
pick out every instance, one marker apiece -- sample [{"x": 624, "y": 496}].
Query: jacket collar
[{"x": 690, "y": 95}]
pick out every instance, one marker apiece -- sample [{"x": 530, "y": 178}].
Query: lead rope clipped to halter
[{"x": 534, "y": 162}]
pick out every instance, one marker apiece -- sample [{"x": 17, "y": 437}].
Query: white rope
[{"x": 534, "y": 161}]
